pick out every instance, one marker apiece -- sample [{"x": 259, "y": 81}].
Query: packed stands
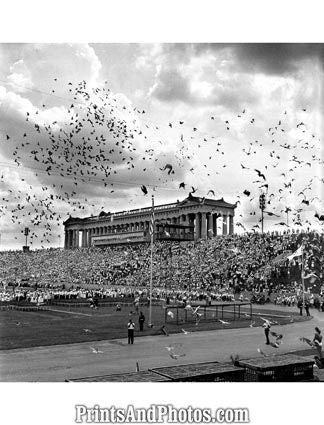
[{"x": 218, "y": 267}]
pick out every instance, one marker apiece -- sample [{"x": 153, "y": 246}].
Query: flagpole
[
  {"x": 302, "y": 276},
  {"x": 151, "y": 273}
]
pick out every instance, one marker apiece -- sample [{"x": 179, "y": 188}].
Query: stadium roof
[{"x": 187, "y": 201}]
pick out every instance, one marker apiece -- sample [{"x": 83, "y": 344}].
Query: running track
[{"x": 60, "y": 362}]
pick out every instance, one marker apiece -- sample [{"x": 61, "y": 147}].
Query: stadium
[
  {"x": 225, "y": 283},
  {"x": 159, "y": 228}
]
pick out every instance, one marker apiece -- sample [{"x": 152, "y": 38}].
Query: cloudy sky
[{"x": 83, "y": 127}]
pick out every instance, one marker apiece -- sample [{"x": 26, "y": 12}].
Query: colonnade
[{"x": 204, "y": 223}]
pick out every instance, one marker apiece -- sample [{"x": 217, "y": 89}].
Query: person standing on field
[
  {"x": 131, "y": 328},
  {"x": 141, "y": 321},
  {"x": 266, "y": 326}
]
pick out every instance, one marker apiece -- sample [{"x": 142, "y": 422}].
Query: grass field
[{"x": 63, "y": 325}]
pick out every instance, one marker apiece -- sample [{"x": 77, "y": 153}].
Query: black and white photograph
[{"x": 161, "y": 215}]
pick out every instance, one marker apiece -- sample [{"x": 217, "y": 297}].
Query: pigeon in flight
[
  {"x": 175, "y": 356},
  {"x": 144, "y": 190},
  {"x": 223, "y": 322},
  {"x": 95, "y": 350}
]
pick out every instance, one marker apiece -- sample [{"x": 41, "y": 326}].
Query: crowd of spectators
[{"x": 220, "y": 268}]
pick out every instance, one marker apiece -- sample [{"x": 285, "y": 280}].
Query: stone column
[
  {"x": 65, "y": 239},
  {"x": 224, "y": 224},
  {"x": 231, "y": 225},
  {"x": 197, "y": 226},
  {"x": 210, "y": 225},
  {"x": 191, "y": 222},
  {"x": 68, "y": 239},
  {"x": 77, "y": 238},
  {"x": 73, "y": 238},
  {"x": 215, "y": 224},
  {"x": 203, "y": 226}
]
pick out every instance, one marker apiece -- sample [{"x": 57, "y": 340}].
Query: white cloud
[
  {"x": 20, "y": 77},
  {"x": 171, "y": 83}
]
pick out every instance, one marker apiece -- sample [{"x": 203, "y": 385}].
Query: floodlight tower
[
  {"x": 26, "y": 233},
  {"x": 262, "y": 202}
]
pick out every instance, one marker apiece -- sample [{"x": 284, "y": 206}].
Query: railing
[{"x": 147, "y": 209}]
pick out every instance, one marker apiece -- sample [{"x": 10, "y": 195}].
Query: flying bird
[
  {"x": 170, "y": 314},
  {"x": 95, "y": 350},
  {"x": 262, "y": 353},
  {"x": 223, "y": 322},
  {"x": 144, "y": 190},
  {"x": 260, "y": 174},
  {"x": 167, "y": 167},
  {"x": 175, "y": 356}
]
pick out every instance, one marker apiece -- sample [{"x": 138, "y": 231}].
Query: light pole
[
  {"x": 262, "y": 201},
  {"x": 26, "y": 233},
  {"x": 287, "y": 210}
]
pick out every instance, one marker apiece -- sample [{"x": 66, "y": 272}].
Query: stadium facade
[{"x": 191, "y": 219}]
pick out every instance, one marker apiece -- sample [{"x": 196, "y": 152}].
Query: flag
[
  {"x": 297, "y": 253},
  {"x": 151, "y": 227},
  {"x": 311, "y": 275}
]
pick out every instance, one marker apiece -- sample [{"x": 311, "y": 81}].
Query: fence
[{"x": 208, "y": 313}]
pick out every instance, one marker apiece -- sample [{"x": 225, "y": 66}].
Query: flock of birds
[{"x": 103, "y": 144}]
